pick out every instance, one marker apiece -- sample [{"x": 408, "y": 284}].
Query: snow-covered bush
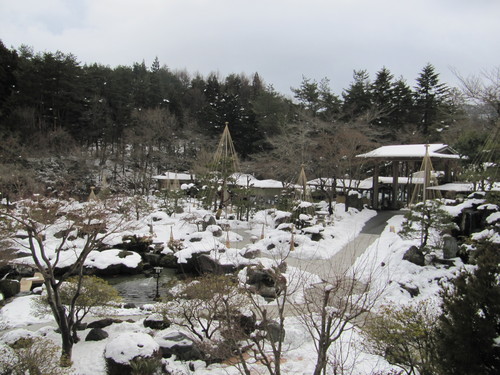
[{"x": 427, "y": 221}]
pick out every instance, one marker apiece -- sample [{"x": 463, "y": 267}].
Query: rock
[
  {"x": 413, "y": 290},
  {"x": 259, "y": 276},
  {"x": 251, "y": 254},
  {"x": 267, "y": 282},
  {"x": 80, "y": 326},
  {"x": 215, "y": 230},
  {"x": 139, "y": 244},
  {"x": 281, "y": 219},
  {"x": 273, "y": 330},
  {"x": 415, "y": 256},
  {"x": 117, "y": 269},
  {"x": 207, "y": 264},
  {"x": 9, "y": 288},
  {"x": 168, "y": 261},
  {"x": 316, "y": 237},
  {"x": 96, "y": 334},
  {"x": 129, "y": 305},
  {"x": 208, "y": 220},
  {"x": 63, "y": 233},
  {"x": 247, "y": 322},
  {"x": 152, "y": 258},
  {"x": 126, "y": 348},
  {"x": 354, "y": 200},
  {"x": 450, "y": 247},
  {"x": 180, "y": 345},
  {"x": 156, "y": 321},
  {"x": 268, "y": 292},
  {"x": 101, "y": 323}
]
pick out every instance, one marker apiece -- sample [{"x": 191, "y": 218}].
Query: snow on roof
[
  {"x": 244, "y": 179},
  {"x": 436, "y": 150},
  {"x": 455, "y": 186},
  {"x": 174, "y": 176}
]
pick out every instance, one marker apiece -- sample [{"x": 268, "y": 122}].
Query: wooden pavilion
[{"x": 405, "y": 160}]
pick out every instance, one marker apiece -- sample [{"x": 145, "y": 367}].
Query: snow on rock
[
  {"x": 199, "y": 242},
  {"x": 487, "y": 234},
  {"x": 304, "y": 204},
  {"x": 382, "y": 265},
  {"x": 488, "y": 206},
  {"x": 15, "y": 335},
  {"x": 19, "y": 313},
  {"x": 493, "y": 218},
  {"x": 457, "y": 209},
  {"x": 346, "y": 225},
  {"x": 106, "y": 258},
  {"x": 130, "y": 345},
  {"x": 314, "y": 229}
]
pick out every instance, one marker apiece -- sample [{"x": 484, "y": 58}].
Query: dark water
[{"x": 140, "y": 289}]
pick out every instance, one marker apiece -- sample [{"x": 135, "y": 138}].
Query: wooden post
[
  {"x": 395, "y": 176},
  {"x": 375, "y": 187}
]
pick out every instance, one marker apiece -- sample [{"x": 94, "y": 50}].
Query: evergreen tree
[
  {"x": 8, "y": 65},
  {"x": 317, "y": 99},
  {"x": 382, "y": 98},
  {"x": 357, "y": 97},
  {"x": 330, "y": 103},
  {"x": 469, "y": 327},
  {"x": 430, "y": 98},
  {"x": 403, "y": 105},
  {"x": 308, "y": 95}
]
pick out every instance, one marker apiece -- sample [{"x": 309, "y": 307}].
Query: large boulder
[
  {"x": 102, "y": 323},
  {"x": 202, "y": 263},
  {"x": 268, "y": 282},
  {"x": 207, "y": 264},
  {"x": 96, "y": 334},
  {"x": 114, "y": 262},
  {"x": 207, "y": 221},
  {"x": 127, "y": 347},
  {"x": 139, "y": 244},
  {"x": 180, "y": 345},
  {"x": 355, "y": 200},
  {"x": 415, "y": 256},
  {"x": 272, "y": 330},
  {"x": 9, "y": 288},
  {"x": 156, "y": 321}
]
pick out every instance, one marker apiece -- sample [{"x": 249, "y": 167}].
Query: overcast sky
[{"x": 282, "y": 40}]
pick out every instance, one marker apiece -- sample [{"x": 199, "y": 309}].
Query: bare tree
[
  {"x": 334, "y": 307},
  {"x": 483, "y": 89},
  {"x": 75, "y": 230}
]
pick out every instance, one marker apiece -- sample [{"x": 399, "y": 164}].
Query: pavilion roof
[{"x": 414, "y": 151}]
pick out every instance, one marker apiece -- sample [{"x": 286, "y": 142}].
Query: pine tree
[
  {"x": 382, "y": 97},
  {"x": 403, "y": 104},
  {"x": 8, "y": 64},
  {"x": 357, "y": 97},
  {"x": 430, "y": 97},
  {"x": 469, "y": 327}
]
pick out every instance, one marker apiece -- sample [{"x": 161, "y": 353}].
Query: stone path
[
  {"x": 339, "y": 263},
  {"x": 335, "y": 268}
]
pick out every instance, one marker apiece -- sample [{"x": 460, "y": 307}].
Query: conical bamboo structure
[
  {"x": 420, "y": 192},
  {"x": 303, "y": 193},
  {"x": 224, "y": 164},
  {"x": 92, "y": 197}
]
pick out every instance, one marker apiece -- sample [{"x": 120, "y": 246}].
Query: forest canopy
[{"x": 153, "y": 118}]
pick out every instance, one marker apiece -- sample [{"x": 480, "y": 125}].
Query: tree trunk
[{"x": 67, "y": 346}]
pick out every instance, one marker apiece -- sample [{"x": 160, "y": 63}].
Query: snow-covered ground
[{"x": 386, "y": 270}]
